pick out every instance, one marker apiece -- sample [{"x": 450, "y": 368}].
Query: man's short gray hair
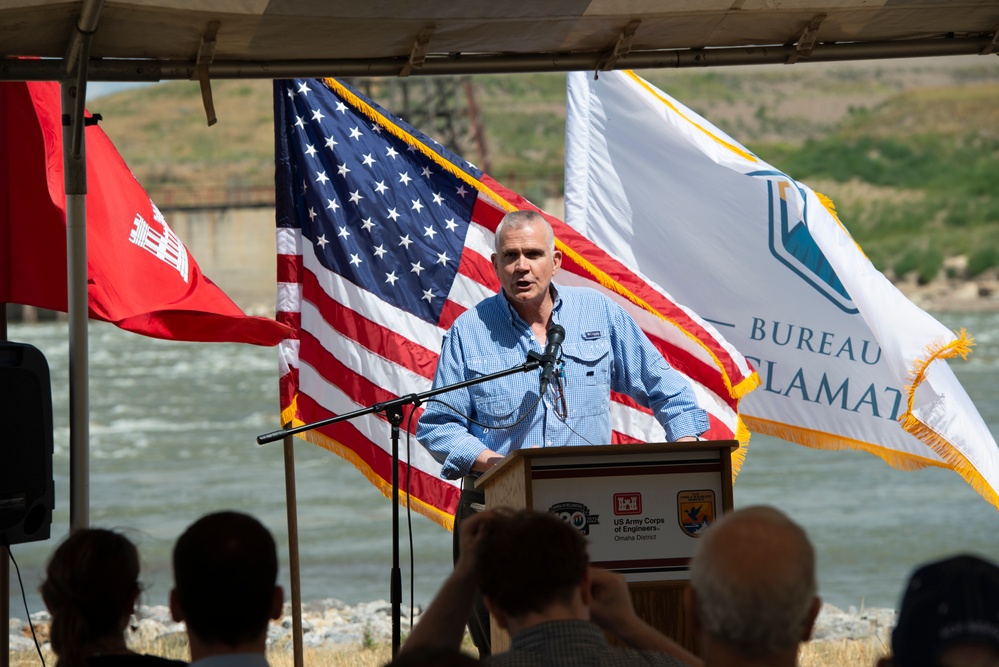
[
  {"x": 518, "y": 219},
  {"x": 759, "y": 611}
]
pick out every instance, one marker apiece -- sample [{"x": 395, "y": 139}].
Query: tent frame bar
[{"x": 114, "y": 69}]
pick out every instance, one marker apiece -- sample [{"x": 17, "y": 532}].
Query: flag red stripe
[
  {"x": 449, "y": 313},
  {"x": 688, "y": 364},
  {"x": 389, "y": 344},
  {"x": 290, "y": 319},
  {"x": 288, "y": 388},
  {"x": 426, "y": 487},
  {"x": 478, "y": 268},
  {"x": 289, "y": 268},
  {"x": 361, "y": 389}
]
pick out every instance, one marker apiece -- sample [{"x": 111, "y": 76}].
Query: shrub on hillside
[{"x": 982, "y": 260}]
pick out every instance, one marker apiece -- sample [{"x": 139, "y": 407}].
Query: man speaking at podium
[{"x": 588, "y": 346}]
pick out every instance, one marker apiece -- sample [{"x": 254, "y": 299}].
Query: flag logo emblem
[
  {"x": 695, "y": 510},
  {"x": 792, "y": 244}
]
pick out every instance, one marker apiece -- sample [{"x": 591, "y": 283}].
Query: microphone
[{"x": 554, "y": 345}]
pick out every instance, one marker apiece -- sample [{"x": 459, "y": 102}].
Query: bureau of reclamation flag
[
  {"x": 140, "y": 275},
  {"x": 384, "y": 237},
  {"x": 845, "y": 360}
]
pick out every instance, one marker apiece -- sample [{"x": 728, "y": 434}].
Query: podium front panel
[{"x": 642, "y": 512}]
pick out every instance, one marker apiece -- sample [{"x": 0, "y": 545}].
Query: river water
[{"x": 172, "y": 437}]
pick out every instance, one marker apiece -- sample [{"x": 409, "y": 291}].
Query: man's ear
[
  {"x": 175, "y": 611},
  {"x": 813, "y": 614},
  {"x": 495, "y": 612},
  {"x": 277, "y": 603}
]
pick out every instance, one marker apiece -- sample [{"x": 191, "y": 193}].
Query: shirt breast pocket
[
  {"x": 587, "y": 377},
  {"x": 496, "y": 401}
]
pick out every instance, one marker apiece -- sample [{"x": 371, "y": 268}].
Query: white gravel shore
[{"x": 333, "y": 623}]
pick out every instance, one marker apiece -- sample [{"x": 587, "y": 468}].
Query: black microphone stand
[{"x": 393, "y": 411}]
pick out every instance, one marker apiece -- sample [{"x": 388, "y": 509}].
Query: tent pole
[
  {"x": 75, "y": 170},
  {"x": 291, "y": 504},
  {"x": 5, "y": 552}
]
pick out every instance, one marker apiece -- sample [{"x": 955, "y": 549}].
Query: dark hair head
[
  {"x": 225, "y": 572},
  {"x": 947, "y": 603},
  {"x": 90, "y": 585},
  {"x": 528, "y": 560}
]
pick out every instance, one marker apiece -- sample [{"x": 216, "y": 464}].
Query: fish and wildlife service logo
[
  {"x": 576, "y": 515},
  {"x": 695, "y": 511},
  {"x": 792, "y": 244}
]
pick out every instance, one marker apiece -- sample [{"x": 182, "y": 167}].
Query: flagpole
[
  {"x": 75, "y": 184},
  {"x": 294, "y": 570}
]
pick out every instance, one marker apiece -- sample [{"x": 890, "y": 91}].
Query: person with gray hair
[
  {"x": 753, "y": 593},
  {"x": 591, "y": 346}
]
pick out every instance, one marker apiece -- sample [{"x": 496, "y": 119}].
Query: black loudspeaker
[{"x": 27, "y": 489}]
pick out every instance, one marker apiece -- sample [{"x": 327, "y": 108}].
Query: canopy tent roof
[{"x": 149, "y": 40}]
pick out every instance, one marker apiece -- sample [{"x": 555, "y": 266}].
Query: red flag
[
  {"x": 384, "y": 238},
  {"x": 141, "y": 277}
]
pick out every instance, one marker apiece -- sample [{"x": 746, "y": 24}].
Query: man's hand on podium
[{"x": 486, "y": 460}]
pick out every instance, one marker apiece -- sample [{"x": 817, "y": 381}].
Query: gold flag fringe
[
  {"x": 739, "y": 455},
  {"x": 821, "y": 440},
  {"x": 961, "y": 347},
  {"x": 830, "y": 207}
]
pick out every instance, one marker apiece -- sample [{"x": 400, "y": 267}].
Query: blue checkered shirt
[{"x": 604, "y": 350}]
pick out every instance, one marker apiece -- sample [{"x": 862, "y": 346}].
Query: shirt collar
[{"x": 514, "y": 316}]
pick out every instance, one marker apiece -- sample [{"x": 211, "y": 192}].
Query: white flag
[{"x": 845, "y": 360}]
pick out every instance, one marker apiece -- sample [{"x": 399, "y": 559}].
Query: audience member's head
[
  {"x": 225, "y": 583},
  {"x": 90, "y": 588},
  {"x": 528, "y": 561},
  {"x": 752, "y": 586},
  {"x": 949, "y": 616}
]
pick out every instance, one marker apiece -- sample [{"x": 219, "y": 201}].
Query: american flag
[{"x": 384, "y": 238}]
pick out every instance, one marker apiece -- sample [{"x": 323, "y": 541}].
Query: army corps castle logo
[{"x": 161, "y": 243}]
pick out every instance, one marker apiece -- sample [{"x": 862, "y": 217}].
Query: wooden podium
[{"x": 641, "y": 508}]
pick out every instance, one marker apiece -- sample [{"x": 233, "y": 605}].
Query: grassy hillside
[{"x": 908, "y": 150}]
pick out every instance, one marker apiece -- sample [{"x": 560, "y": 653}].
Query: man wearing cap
[{"x": 949, "y": 616}]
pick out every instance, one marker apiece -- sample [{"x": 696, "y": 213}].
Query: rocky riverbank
[
  {"x": 331, "y": 623},
  {"x": 966, "y": 295}
]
